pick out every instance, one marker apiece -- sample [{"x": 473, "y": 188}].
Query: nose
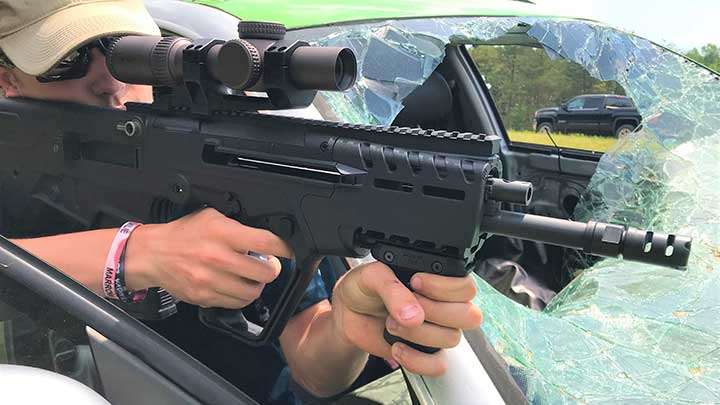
[{"x": 103, "y": 83}]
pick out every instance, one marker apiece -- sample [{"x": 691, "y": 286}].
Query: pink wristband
[{"x": 113, "y": 258}]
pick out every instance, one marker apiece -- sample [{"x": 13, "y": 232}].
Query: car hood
[
  {"x": 308, "y": 13},
  {"x": 547, "y": 110}
]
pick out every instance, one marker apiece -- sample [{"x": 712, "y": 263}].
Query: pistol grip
[
  {"x": 405, "y": 262},
  {"x": 390, "y": 338},
  {"x": 405, "y": 277}
]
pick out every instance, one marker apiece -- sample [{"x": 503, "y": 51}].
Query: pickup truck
[{"x": 595, "y": 114}]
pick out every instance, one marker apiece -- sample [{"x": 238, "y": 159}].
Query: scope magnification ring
[{"x": 160, "y": 63}]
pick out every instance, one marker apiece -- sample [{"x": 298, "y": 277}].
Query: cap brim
[{"x": 38, "y": 47}]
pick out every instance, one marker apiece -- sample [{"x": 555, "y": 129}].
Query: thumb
[{"x": 377, "y": 279}]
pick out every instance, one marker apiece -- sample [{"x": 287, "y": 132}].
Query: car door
[
  {"x": 611, "y": 105},
  {"x": 590, "y": 118},
  {"x": 568, "y": 113}
]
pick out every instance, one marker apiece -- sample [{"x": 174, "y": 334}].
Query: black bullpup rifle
[{"x": 418, "y": 200}]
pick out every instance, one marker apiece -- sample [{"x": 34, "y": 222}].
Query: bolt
[
  {"x": 437, "y": 267},
  {"x": 129, "y": 128},
  {"x": 178, "y": 189},
  {"x": 389, "y": 256},
  {"x": 324, "y": 146}
]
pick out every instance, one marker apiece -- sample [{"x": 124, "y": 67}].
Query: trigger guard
[{"x": 231, "y": 322}]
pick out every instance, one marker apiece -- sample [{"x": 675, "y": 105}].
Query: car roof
[{"x": 309, "y": 13}]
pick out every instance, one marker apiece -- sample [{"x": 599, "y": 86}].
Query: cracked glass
[
  {"x": 396, "y": 57},
  {"x": 620, "y": 332}
]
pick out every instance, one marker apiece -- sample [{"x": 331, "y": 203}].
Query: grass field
[{"x": 575, "y": 141}]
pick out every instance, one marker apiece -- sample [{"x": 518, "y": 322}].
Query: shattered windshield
[{"x": 620, "y": 331}]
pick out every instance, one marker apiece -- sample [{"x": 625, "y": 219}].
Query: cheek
[
  {"x": 139, "y": 94},
  {"x": 70, "y": 90}
]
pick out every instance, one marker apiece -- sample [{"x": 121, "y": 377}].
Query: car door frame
[{"x": 560, "y": 175}]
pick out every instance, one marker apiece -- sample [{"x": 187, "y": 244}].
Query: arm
[
  {"x": 319, "y": 356},
  {"x": 80, "y": 255},
  {"x": 200, "y": 258},
  {"x": 326, "y": 345}
]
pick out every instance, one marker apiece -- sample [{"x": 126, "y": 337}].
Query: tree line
[
  {"x": 524, "y": 79},
  {"x": 708, "y": 55}
]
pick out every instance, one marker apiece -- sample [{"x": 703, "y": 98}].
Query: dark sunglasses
[{"x": 76, "y": 64}]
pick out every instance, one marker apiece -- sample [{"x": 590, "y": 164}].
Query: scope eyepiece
[{"x": 155, "y": 61}]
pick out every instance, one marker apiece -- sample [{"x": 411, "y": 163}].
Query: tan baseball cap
[{"x": 36, "y": 34}]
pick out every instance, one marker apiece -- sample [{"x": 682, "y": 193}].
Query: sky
[{"x": 680, "y": 24}]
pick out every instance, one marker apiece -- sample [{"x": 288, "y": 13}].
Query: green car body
[{"x": 308, "y": 13}]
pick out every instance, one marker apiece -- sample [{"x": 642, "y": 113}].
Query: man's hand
[
  {"x": 369, "y": 298},
  {"x": 203, "y": 259}
]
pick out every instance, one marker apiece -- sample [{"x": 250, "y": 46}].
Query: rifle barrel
[{"x": 592, "y": 237}]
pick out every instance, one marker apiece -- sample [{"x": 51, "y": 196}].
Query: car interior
[{"x": 454, "y": 98}]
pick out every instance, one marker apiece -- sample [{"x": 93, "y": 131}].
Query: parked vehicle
[{"x": 595, "y": 114}]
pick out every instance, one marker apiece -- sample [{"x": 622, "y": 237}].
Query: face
[{"x": 97, "y": 87}]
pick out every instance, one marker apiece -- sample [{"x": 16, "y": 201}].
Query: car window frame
[
  {"x": 498, "y": 123},
  {"x": 612, "y": 102},
  {"x": 589, "y": 98},
  {"x": 581, "y": 99}
]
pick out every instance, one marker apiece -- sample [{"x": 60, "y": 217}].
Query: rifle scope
[{"x": 255, "y": 61}]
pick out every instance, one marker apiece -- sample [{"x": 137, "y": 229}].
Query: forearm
[
  {"x": 320, "y": 358},
  {"x": 80, "y": 255}
]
